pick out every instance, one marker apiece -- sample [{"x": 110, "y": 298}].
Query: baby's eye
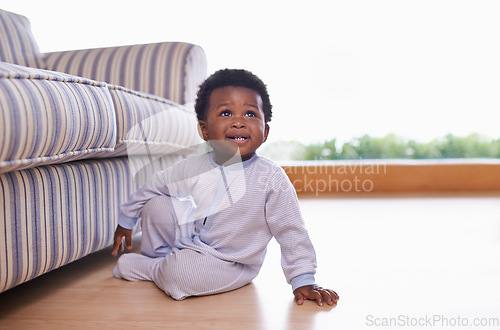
[
  {"x": 225, "y": 113},
  {"x": 251, "y": 114}
]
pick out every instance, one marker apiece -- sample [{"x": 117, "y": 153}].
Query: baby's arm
[
  {"x": 315, "y": 292},
  {"x": 297, "y": 252}
]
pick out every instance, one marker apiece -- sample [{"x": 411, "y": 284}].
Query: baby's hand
[
  {"x": 120, "y": 233},
  {"x": 315, "y": 292}
]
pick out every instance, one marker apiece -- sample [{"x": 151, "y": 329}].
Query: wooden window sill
[{"x": 365, "y": 176}]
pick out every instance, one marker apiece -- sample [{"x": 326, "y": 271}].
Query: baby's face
[{"x": 235, "y": 114}]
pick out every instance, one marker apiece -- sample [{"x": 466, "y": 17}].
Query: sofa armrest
[{"x": 172, "y": 70}]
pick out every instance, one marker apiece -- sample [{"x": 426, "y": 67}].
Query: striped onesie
[{"x": 205, "y": 227}]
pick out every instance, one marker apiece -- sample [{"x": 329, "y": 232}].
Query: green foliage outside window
[{"x": 388, "y": 147}]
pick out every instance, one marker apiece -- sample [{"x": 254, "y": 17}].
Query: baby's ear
[
  {"x": 266, "y": 132},
  {"x": 202, "y": 130}
]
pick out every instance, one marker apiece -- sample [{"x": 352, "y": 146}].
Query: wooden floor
[{"x": 390, "y": 258}]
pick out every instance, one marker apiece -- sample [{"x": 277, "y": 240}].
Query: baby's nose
[{"x": 238, "y": 124}]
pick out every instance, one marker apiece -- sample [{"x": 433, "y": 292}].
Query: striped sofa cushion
[
  {"x": 49, "y": 117},
  {"x": 150, "y": 125},
  {"x": 17, "y": 44},
  {"x": 172, "y": 70}
]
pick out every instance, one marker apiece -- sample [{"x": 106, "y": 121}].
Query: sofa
[{"x": 79, "y": 132}]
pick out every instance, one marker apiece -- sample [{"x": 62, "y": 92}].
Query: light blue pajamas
[{"x": 206, "y": 227}]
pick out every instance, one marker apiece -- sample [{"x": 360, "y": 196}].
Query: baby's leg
[
  {"x": 135, "y": 267},
  {"x": 160, "y": 225},
  {"x": 188, "y": 272},
  {"x": 160, "y": 229}
]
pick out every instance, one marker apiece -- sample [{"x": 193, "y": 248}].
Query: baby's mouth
[{"x": 238, "y": 139}]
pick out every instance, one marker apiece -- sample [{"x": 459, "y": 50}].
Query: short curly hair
[{"x": 236, "y": 78}]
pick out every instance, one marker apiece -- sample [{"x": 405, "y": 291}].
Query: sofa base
[{"x": 53, "y": 215}]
